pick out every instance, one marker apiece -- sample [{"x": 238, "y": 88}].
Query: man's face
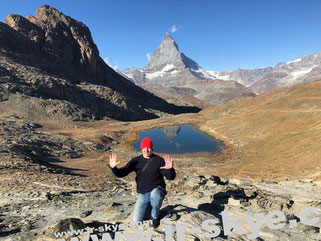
[{"x": 147, "y": 152}]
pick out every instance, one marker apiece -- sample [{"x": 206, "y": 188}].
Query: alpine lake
[{"x": 184, "y": 139}]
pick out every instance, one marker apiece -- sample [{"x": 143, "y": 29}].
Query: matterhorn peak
[
  {"x": 167, "y": 37},
  {"x": 167, "y": 53},
  {"x": 168, "y": 57},
  {"x": 179, "y": 74},
  {"x": 168, "y": 42}
]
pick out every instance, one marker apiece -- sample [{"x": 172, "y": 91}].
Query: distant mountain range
[
  {"x": 176, "y": 72},
  {"x": 245, "y": 77},
  {"x": 285, "y": 74},
  {"x": 50, "y": 68},
  {"x": 172, "y": 69}
]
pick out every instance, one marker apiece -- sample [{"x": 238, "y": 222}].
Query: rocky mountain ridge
[
  {"x": 245, "y": 77},
  {"x": 49, "y": 63},
  {"x": 172, "y": 69},
  {"x": 168, "y": 58},
  {"x": 168, "y": 67},
  {"x": 284, "y": 74}
]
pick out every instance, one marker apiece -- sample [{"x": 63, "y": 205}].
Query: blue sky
[{"x": 220, "y": 35}]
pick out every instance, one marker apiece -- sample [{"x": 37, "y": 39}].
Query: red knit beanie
[{"x": 146, "y": 142}]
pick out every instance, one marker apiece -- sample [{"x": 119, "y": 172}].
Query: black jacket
[{"x": 148, "y": 172}]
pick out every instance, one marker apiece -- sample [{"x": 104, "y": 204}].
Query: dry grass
[{"x": 279, "y": 133}]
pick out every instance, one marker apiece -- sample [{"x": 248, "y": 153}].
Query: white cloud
[
  {"x": 149, "y": 56},
  {"x": 107, "y": 61},
  {"x": 174, "y": 29},
  {"x": 110, "y": 65}
]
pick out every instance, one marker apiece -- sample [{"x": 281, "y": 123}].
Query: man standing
[{"x": 150, "y": 171}]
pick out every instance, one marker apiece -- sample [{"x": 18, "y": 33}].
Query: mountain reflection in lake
[{"x": 179, "y": 140}]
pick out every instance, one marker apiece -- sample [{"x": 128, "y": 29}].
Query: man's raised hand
[
  {"x": 168, "y": 162},
  {"x": 113, "y": 160}
]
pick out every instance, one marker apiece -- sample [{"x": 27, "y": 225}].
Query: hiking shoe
[{"x": 155, "y": 222}]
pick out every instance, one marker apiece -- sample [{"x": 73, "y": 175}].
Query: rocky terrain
[{"x": 192, "y": 200}]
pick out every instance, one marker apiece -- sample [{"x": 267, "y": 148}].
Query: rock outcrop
[
  {"x": 51, "y": 60},
  {"x": 23, "y": 148}
]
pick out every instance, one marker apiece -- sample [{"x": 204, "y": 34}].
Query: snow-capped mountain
[
  {"x": 171, "y": 68},
  {"x": 245, "y": 77},
  {"x": 284, "y": 74},
  {"x": 168, "y": 60}
]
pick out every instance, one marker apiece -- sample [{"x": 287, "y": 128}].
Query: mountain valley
[{"x": 63, "y": 111}]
